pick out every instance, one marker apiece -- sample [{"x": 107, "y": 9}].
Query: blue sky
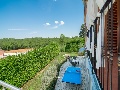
[{"x": 40, "y": 18}]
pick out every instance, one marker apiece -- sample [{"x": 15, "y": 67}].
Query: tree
[
  {"x": 83, "y": 31},
  {"x": 62, "y": 42},
  {"x": 62, "y": 39}
]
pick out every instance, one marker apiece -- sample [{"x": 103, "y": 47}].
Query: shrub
[{"x": 17, "y": 70}]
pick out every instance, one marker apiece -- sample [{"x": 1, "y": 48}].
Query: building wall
[
  {"x": 93, "y": 7},
  {"x": 16, "y": 52}
]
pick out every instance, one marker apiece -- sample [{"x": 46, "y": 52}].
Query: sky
[{"x": 40, "y": 18}]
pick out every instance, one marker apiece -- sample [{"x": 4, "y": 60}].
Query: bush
[{"x": 17, "y": 70}]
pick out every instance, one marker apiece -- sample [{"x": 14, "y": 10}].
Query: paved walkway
[{"x": 67, "y": 86}]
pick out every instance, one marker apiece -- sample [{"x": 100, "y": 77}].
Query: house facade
[
  {"x": 102, "y": 20},
  {"x": 4, "y": 54},
  {"x": 16, "y": 52}
]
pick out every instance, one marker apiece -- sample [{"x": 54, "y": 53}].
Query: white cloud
[
  {"x": 33, "y": 33},
  {"x": 55, "y": 27},
  {"x": 62, "y": 23},
  {"x": 56, "y": 22},
  {"x": 47, "y": 24},
  {"x": 17, "y": 29}
]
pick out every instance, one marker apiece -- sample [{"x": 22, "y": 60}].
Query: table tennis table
[{"x": 72, "y": 75}]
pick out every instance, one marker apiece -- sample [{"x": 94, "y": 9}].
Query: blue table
[{"x": 72, "y": 75}]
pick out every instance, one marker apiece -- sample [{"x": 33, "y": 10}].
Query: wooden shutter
[
  {"x": 112, "y": 25},
  {"x": 112, "y": 41}
]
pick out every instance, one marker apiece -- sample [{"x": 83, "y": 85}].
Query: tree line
[{"x": 67, "y": 44}]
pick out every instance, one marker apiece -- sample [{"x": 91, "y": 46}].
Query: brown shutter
[{"x": 111, "y": 45}]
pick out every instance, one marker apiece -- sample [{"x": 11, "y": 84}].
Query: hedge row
[
  {"x": 17, "y": 70},
  {"x": 73, "y": 46}
]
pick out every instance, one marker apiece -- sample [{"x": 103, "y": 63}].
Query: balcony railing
[{"x": 8, "y": 86}]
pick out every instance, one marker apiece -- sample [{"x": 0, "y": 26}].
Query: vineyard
[{"x": 17, "y": 70}]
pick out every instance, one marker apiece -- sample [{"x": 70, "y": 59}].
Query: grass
[{"x": 46, "y": 79}]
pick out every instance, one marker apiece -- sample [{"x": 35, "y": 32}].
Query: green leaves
[
  {"x": 73, "y": 45},
  {"x": 83, "y": 30},
  {"x": 17, "y": 70},
  {"x": 14, "y": 44}
]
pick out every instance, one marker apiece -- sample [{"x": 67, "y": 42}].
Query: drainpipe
[
  {"x": 101, "y": 49},
  {"x": 108, "y": 58},
  {"x": 111, "y": 51}
]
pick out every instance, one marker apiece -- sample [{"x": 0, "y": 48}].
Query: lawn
[{"x": 46, "y": 79}]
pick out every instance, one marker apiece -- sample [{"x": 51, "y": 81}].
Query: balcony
[{"x": 88, "y": 77}]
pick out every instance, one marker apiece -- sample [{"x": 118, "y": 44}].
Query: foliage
[
  {"x": 64, "y": 42},
  {"x": 74, "y": 44},
  {"x": 83, "y": 31},
  {"x": 17, "y": 70},
  {"x": 62, "y": 39},
  {"x": 46, "y": 80},
  {"x": 13, "y": 44}
]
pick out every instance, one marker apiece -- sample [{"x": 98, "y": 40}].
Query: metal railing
[
  {"x": 8, "y": 86},
  {"x": 93, "y": 82}
]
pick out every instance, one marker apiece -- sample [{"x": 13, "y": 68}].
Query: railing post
[{"x": 8, "y": 86}]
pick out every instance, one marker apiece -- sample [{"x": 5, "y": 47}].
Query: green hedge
[
  {"x": 72, "y": 46},
  {"x": 17, "y": 70}
]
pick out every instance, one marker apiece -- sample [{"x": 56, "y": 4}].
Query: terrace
[{"x": 88, "y": 80}]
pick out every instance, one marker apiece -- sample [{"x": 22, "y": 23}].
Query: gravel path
[{"x": 67, "y": 86}]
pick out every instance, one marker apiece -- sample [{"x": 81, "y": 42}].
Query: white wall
[
  {"x": 10, "y": 54},
  {"x": 92, "y": 13},
  {"x": 100, "y": 3}
]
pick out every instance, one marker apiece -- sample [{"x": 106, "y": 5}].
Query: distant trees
[
  {"x": 13, "y": 44},
  {"x": 66, "y": 44},
  {"x": 62, "y": 39},
  {"x": 62, "y": 42}
]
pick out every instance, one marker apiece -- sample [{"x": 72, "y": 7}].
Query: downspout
[
  {"x": 111, "y": 51},
  {"x": 101, "y": 50},
  {"x": 108, "y": 55}
]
